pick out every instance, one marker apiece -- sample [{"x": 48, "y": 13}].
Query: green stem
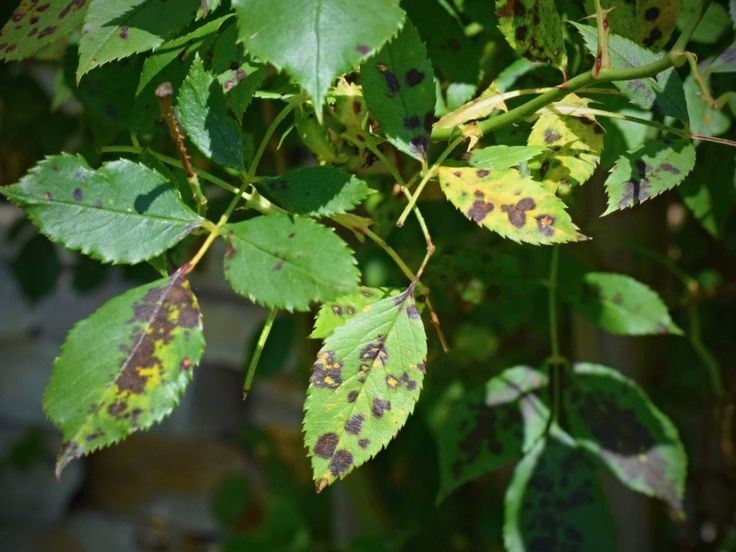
[{"x": 256, "y": 356}]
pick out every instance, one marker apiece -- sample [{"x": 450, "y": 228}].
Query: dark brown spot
[
  {"x": 363, "y": 443},
  {"x": 117, "y": 408},
  {"x": 124, "y": 32},
  {"x": 551, "y": 135},
  {"x": 77, "y": 194},
  {"x": 278, "y": 266},
  {"x": 336, "y": 310},
  {"x": 479, "y": 210},
  {"x": 428, "y": 121},
  {"x": 380, "y": 406},
  {"x": 327, "y": 371},
  {"x": 341, "y": 463},
  {"x": 517, "y": 213},
  {"x": 46, "y": 31},
  {"x": 326, "y": 445},
  {"x": 667, "y": 167},
  {"x": 520, "y": 33},
  {"x": 482, "y": 173},
  {"x": 185, "y": 364},
  {"x": 391, "y": 82},
  {"x": 545, "y": 223},
  {"x": 413, "y": 77},
  {"x": 652, "y": 13},
  {"x": 352, "y": 396},
  {"x": 363, "y": 49},
  {"x": 354, "y": 424},
  {"x": 653, "y": 37},
  {"x": 420, "y": 144}
]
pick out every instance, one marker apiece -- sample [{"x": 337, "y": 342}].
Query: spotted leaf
[
  {"x": 613, "y": 418},
  {"x": 398, "y": 85},
  {"x": 334, "y": 314},
  {"x": 364, "y": 385},
  {"x": 491, "y": 427},
  {"x": 288, "y": 262},
  {"x": 35, "y": 24},
  {"x": 205, "y": 118},
  {"x": 619, "y": 304},
  {"x": 123, "y": 212},
  {"x": 534, "y": 29},
  {"x": 499, "y": 158},
  {"x": 316, "y": 191},
  {"x": 510, "y": 204},
  {"x": 125, "y": 367},
  {"x": 115, "y": 29},
  {"x": 646, "y": 22},
  {"x": 555, "y": 502},
  {"x": 648, "y": 171},
  {"x": 315, "y": 41}
]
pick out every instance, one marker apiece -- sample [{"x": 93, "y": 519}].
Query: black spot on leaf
[
  {"x": 517, "y": 213},
  {"x": 341, "y": 462},
  {"x": 354, "y": 424},
  {"x": 380, "y": 406},
  {"x": 326, "y": 444},
  {"x": 413, "y": 77}
]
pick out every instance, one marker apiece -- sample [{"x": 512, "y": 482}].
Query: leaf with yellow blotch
[{"x": 515, "y": 206}]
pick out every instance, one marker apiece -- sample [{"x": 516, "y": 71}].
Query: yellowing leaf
[
  {"x": 515, "y": 206},
  {"x": 648, "y": 22}
]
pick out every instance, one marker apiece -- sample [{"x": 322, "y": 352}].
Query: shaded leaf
[
  {"x": 123, "y": 212},
  {"x": 713, "y": 25},
  {"x": 646, "y": 22},
  {"x": 534, "y": 29},
  {"x": 613, "y": 418},
  {"x": 33, "y": 25},
  {"x": 334, "y": 314},
  {"x": 398, "y": 85},
  {"x": 206, "y": 7},
  {"x": 555, "y": 502},
  {"x": 703, "y": 119},
  {"x": 499, "y": 158},
  {"x": 648, "y": 171},
  {"x": 317, "y": 191},
  {"x": 725, "y": 62},
  {"x": 510, "y": 204},
  {"x": 364, "y": 385},
  {"x": 125, "y": 367},
  {"x": 288, "y": 262},
  {"x": 205, "y": 119},
  {"x": 326, "y": 38},
  {"x": 115, "y": 29},
  {"x": 619, "y": 304},
  {"x": 491, "y": 426}
]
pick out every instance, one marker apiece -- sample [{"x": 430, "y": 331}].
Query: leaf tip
[
  {"x": 68, "y": 452},
  {"x": 322, "y": 484}
]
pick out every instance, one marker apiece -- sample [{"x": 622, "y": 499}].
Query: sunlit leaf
[
  {"x": 704, "y": 119},
  {"x": 398, "y": 85},
  {"x": 614, "y": 419},
  {"x": 648, "y": 171},
  {"x": 334, "y": 314},
  {"x": 288, "y": 262},
  {"x": 499, "y": 158},
  {"x": 364, "y": 385},
  {"x": 123, "y": 212},
  {"x": 125, "y": 367},
  {"x": 510, "y": 204},
  {"x": 646, "y": 22}
]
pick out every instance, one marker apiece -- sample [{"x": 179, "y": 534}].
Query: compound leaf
[
  {"x": 316, "y": 40},
  {"x": 35, "y": 24},
  {"x": 398, "y": 86},
  {"x": 510, "y": 204},
  {"x": 648, "y": 171},
  {"x": 286, "y": 262},
  {"x": 646, "y": 22},
  {"x": 613, "y": 418},
  {"x": 491, "y": 426},
  {"x": 125, "y": 367},
  {"x": 500, "y": 158},
  {"x": 334, "y": 314},
  {"x": 364, "y": 385},
  {"x": 316, "y": 191},
  {"x": 123, "y": 212},
  {"x": 205, "y": 119}
]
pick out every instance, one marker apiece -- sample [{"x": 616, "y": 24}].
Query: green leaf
[
  {"x": 510, "y": 204},
  {"x": 646, "y": 22},
  {"x": 500, "y": 158},
  {"x": 648, "y": 171},
  {"x": 619, "y": 304},
  {"x": 364, "y": 385},
  {"x": 334, "y": 314},
  {"x": 316, "y": 40},
  {"x": 34, "y": 25},
  {"x": 125, "y": 367},
  {"x": 555, "y": 502},
  {"x": 123, "y": 212},
  {"x": 713, "y": 25},
  {"x": 703, "y": 119},
  {"x": 534, "y": 29},
  {"x": 663, "y": 93},
  {"x": 115, "y": 29},
  {"x": 315, "y": 191},
  {"x": 286, "y": 262},
  {"x": 205, "y": 119},
  {"x": 398, "y": 85},
  {"x": 725, "y": 62},
  {"x": 206, "y": 7},
  {"x": 613, "y": 418},
  {"x": 492, "y": 426}
]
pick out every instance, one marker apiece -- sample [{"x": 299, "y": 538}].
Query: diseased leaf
[
  {"x": 398, "y": 85},
  {"x": 500, "y": 158},
  {"x": 125, "y": 367},
  {"x": 364, "y": 385},
  {"x": 663, "y": 93},
  {"x": 648, "y": 171},
  {"x": 555, "y": 502},
  {"x": 35, "y": 24},
  {"x": 115, "y": 29},
  {"x": 534, "y": 29},
  {"x": 510, "y": 204},
  {"x": 206, "y": 7},
  {"x": 287, "y": 262},
  {"x": 315, "y": 41},
  {"x": 619, "y": 304},
  {"x": 334, "y": 314},
  {"x": 646, "y": 22},
  {"x": 123, "y": 212},
  {"x": 703, "y": 119},
  {"x": 614, "y": 419},
  {"x": 492, "y": 426},
  {"x": 315, "y": 191},
  {"x": 205, "y": 119}
]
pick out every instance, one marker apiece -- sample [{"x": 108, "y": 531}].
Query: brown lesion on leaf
[
  {"x": 78, "y": 195},
  {"x": 517, "y": 213},
  {"x": 326, "y": 445},
  {"x": 480, "y": 208},
  {"x": 363, "y": 443},
  {"x": 551, "y": 136},
  {"x": 414, "y": 77},
  {"x": 352, "y": 396},
  {"x": 373, "y": 353},
  {"x": 637, "y": 188},
  {"x": 354, "y": 424},
  {"x": 327, "y": 371},
  {"x": 380, "y": 406},
  {"x": 116, "y": 409},
  {"x": 185, "y": 365},
  {"x": 341, "y": 462},
  {"x": 545, "y": 224},
  {"x": 336, "y": 310}
]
